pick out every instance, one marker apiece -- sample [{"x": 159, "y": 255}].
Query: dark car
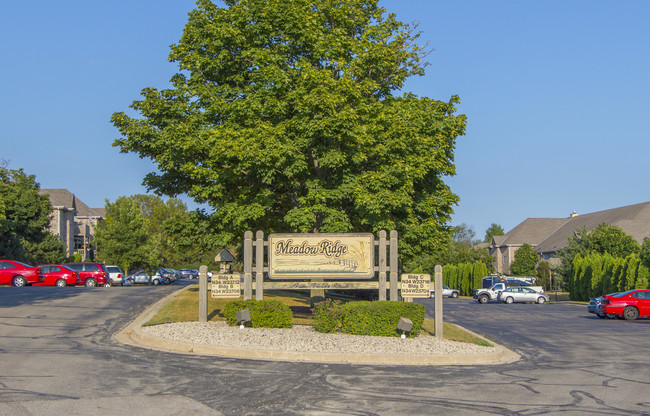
[
  {"x": 19, "y": 274},
  {"x": 188, "y": 273},
  {"x": 91, "y": 274},
  {"x": 593, "y": 306},
  {"x": 58, "y": 275},
  {"x": 628, "y": 305}
]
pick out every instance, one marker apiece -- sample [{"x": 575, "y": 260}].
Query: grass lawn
[{"x": 184, "y": 307}]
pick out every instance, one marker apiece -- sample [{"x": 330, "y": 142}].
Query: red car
[
  {"x": 57, "y": 275},
  {"x": 91, "y": 274},
  {"x": 19, "y": 274},
  {"x": 629, "y": 305}
]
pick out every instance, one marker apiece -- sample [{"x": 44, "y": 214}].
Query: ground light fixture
[
  {"x": 244, "y": 316},
  {"x": 405, "y": 325}
]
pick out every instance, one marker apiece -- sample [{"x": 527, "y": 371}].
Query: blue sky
[{"x": 557, "y": 95}]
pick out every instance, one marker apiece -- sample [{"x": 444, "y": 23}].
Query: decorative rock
[{"x": 302, "y": 338}]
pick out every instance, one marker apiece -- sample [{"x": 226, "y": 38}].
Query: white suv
[{"x": 116, "y": 275}]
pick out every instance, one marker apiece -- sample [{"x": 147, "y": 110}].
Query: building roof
[
  {"x": 66, "y": 199},
  {"x": 633, "y": 219},
  {"x": 60, "y": 197},
  {"x": 532, "y": 231}
]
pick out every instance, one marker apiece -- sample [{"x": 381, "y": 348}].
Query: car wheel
[
  {"x": 90, "y": 282},
  {"x": 601, "y": 315},
  {"x": 19, "y": 281},
  {"x": 509, "y": 299},
  {"x": 483, "y": 299},
  {"x": 541, "y": 300},
  {"x": 454, "y": 295},
  {"x": 630, "y": 313},
  {"x": 156, "y": 282},
  {"x": 61, "y": 283},
  {"x": 167, "y": 280}
]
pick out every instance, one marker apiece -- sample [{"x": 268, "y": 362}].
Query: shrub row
[
  {"x": 377, "y": 318},
  {"x": 599, "y": 274},
  {"x": 264, "y": 313},
  {"x": 464, "y": 276}
]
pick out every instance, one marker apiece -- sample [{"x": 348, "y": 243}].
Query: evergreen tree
[{"x": 526, "y": 259}]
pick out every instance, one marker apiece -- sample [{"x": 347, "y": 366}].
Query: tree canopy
[
  {"x": 145, "y": 232},
  {"x": 459, "y": 247},
  {"x": 603, "y": 239},
  {"x": 493, "y": 229},
  {"x": 24, "y": 220},
  {"x": 284, "y": 117}
]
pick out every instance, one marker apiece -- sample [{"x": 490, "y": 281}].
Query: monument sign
[{"x": 321, "y": 256}]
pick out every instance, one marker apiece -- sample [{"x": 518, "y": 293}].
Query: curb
[{"x": 132, "y": 335}]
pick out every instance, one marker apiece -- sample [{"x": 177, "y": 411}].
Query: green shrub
[
  {"x": 328, "y": 316},
  {"x": 377, "y": 318},
  {"x": 264, "y": 313}
]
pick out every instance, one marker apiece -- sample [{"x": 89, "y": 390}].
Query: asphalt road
[{"x": 59, "y": 357}]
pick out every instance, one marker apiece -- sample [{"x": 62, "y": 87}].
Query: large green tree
[
  {"x": 285, "y": 117},
  {"x": 24, "y": 220}
]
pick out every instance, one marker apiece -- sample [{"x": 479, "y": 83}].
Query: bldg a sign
[
  {"x": 226, "y": 286},
  {"x": 321, "y": 256}
]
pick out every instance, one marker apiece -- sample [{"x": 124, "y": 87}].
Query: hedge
[
  {"x": 378, "y": 318},
  {"x": 264, "y": 313}
]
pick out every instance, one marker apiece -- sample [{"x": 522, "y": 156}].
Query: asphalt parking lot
[
  {"x": 59, "y": 357},
  {"x": 549, "y": 331}
]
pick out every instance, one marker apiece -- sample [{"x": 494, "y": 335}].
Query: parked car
[
  {"x": 58, "y": 275},
  {"x": 628, "y": 305},
  {"x": 91, "y": 274},
  {"x": 188, "y": 273},
  {"x": 446, "y": 291},
  {"x": 115, "y": 274},
  {"x": 522, "y": 294},
  {"x": 168, "y": 274},
  {"x": 19, "y": 274},
  {"x": 593, "y": 307},
  {"x": 142, "y": 277},
  {"x": 492, "y": 293},
  {"x": 127, "y": 281}
]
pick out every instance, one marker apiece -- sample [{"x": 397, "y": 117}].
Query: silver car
[
  {"x": 446, "y": 291},
  {"x": 142, "y": 277},
  {"x": 522, "y": 294}
]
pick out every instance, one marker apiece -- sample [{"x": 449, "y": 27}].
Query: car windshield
[{"x": 22, "y": 264}]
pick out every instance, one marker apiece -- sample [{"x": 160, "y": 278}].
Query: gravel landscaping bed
[{"x": 302, "y": 338}]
